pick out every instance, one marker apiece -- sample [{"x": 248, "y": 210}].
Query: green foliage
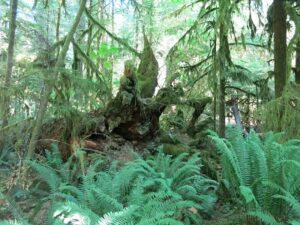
[
  {"x": 104, "y": 51},
  {"x": 11, "y": 222},
  {"x": 262, "y": 173},
  {"x": 160, "y": 190},
  {"x": 54, "y": 172},
  {"x": 282, "y": 114},
  {"x": 13, "y": 208}
]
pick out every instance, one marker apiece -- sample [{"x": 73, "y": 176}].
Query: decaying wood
[
  {"x": 148, "y": 71},
  {"x": 130, "y": 115}
]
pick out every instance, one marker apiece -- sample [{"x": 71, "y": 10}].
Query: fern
[
  {"x": 71, "y": 213},
  {"x": 159, "y": 190},
  {"x": 47, "y": 174},
  {"x": 264, "y": 172},
  {"x": 11, "y": 222},
  {"x": 265, "y": 217}
]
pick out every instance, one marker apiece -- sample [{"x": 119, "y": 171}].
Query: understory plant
[
  {"x": 159, "y": 190},
  {"x": 263, "y": 173}
]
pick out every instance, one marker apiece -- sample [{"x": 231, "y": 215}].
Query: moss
[
  {"x": 282, "y": 114},
  {"x": 147, "y": 72},
  {"x": 175, "y": 149},
  {"x": 167, "y": 137}
]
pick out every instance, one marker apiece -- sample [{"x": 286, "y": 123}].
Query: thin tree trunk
[
  {"x": 10, "y": 55},
  {"x": 297, "y": 71},
  {"x": 100, "y": 15},
  {"x": 223, "y": 58},
  {"x": 215, "y": 86},
  {"x": 137, "y": 32},
  {"x": 50, "y": 84},
  {"x": 236, "y": 113},
  {"x": 222, "y": 112},
  {"x": 215, "y": 107},
  {"x": 89, "y": 71},
  {"x": 222, "y": 80},
  {"x": 280, "y": 47},
  {"x": 112, "y": 44},
  {"x": 58, "y": 26}
]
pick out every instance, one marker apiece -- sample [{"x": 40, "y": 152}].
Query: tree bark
[
  {"x": 223, "y": 58},
  {"x": 222, "y": 79},
  {"x": 236, "y": 113},
  {"x": 280, "y": 46},
  {"x": 10, "y": 55},
  {"x": 297, "y": 71},
  {"x": 222, "y": 94},
  {"x": 58, "y": 26},
  {"x": 49, "y": 86}
]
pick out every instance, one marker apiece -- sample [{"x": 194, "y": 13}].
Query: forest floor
[{"x": 18, "y": 182}]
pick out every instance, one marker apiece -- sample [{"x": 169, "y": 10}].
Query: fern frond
[
  {"x": 249, "y": 197},
  {"x": 229, "y": 161},
  {"x": 292, "y": 202},
  {"x": 12, "y": 222},
  {"x": 71, "y": 213},
  {"x": 265, "y": 217},
  {"x": 47, "y": 174},
  {"x": 294, "y": 222},
  {"x": 124, "y": 216}
]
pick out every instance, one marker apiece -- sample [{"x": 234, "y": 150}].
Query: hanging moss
[{"x": 283, "y": 114}]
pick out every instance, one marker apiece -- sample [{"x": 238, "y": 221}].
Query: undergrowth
[
  {"x": 262, "y": 174},
  {"x": 159, "y": 190}
]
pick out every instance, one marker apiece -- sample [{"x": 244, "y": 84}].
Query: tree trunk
[
  {"x": 223, "y": 58},
  {"x": 58, "y": 26},
  {"x": 297, "y": 71},
  {"x": 50, "y": 84},
  {"x": 222, "y": 102},
  {"x": 112, "y": 44},
  {"x": 280, "y": 47},
  {"x": 10, "y": 54},
  {"x": 222, "y": 78},
  {"x": 236, "y": 113}
]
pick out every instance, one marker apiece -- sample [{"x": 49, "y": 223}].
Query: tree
[
  {"x": 10, "y": 55},
  {"x": 297, "y": 71},
  {"x": 223, "y": 58},
  {"x": 50, "y": 84},
  {"x": 280, "y": 46}
]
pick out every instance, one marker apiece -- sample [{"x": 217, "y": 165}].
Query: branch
[
  {"x": 57, "y": 44},
  {"x": 191, "y": 67},
  {"x": 90, "y": 63},
  {"x": 193, "y": 27},
  {"x": 119, "y": 40},
  {"x": 240, "y": 89},
  {"x": 250, "y": 44}
]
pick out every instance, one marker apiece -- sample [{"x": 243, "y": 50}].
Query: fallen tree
[{"x": 132, "y": 115}]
